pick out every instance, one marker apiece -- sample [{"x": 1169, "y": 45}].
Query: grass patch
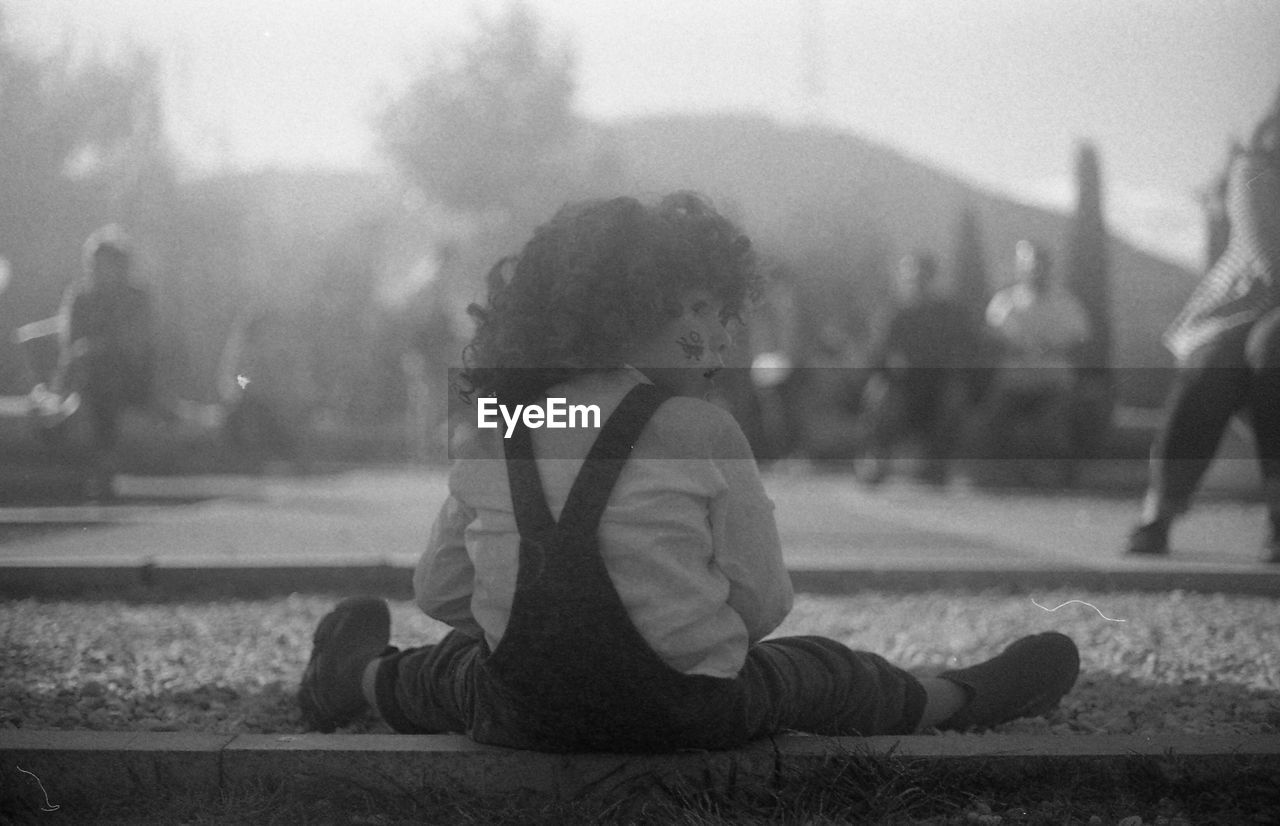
[{"x": 1179, "y": 664}]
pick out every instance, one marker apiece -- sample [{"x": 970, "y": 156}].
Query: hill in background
[{"x": 835, "y": 207}]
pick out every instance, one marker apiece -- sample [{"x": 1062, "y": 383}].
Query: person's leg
[
  {"x": 353, "y": 670},
  {"x": 1010, "y": 406},
  {"x": 1262, "y": 353},
  {"x": 1090, "y": 411},
  {"x": 104, "y": 421},
  {"x": 104, "y": 424},
  {"x": 1032, "y": 431},
  {"x": 1061, "y": 455},
  {"x": 939, "y": 425},
  {"x": 426, "y": 690},
  {"x": 1207, "y": 391},
  {"x": 820, "y": 686},
  {"x": 279, "y": 433},
  {"x": 882, "y": 422}
]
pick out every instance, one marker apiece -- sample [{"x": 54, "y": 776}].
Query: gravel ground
[{"x": 1177, "y": 663}]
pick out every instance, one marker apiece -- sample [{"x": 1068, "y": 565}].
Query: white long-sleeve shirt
[
  {"x": 688, "y": 536},
  {"x": 1038, "y": 332}
]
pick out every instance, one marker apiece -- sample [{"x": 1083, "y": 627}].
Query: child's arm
[
  {"x": 444, "y": 579},
  {"x": 745, "y": 538}
]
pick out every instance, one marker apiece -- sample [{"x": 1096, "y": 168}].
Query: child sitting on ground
[{"x": 610, "y": 588}]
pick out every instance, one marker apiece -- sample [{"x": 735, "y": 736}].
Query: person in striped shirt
[{"x": 1226, "y": 341}]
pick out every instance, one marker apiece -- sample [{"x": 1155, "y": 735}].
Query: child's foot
[
  {"x": 1027, "y": 679},
  {"x": 348, "y": 637}
]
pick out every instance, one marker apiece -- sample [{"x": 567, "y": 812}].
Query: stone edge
[
  {"x": 82, "y": 577},
  {"x": 80, "y": 763}
]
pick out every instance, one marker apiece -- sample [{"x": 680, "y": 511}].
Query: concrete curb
[
  {"x": 78, "y": 763},
  {"x": 71, "y": 578}
]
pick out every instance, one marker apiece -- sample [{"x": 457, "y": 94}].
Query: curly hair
[{"x": 599, "y": 277}]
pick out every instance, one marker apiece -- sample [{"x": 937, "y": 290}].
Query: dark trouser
[
  {"x": 255, "y": 424},
  {"x": 1031, "y": 422},
  {"x": 809, "y": 684},
  {"x": 926, "y": 402},
  {"x": 104, "y": 418},
  {"x": 1238, "y": 372},
  {"x": 111, "y": 384}
]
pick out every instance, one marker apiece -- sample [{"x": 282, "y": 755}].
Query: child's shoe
[
  {"x": 1027, "y": 679},
  {"x": 348, "y": 637}
]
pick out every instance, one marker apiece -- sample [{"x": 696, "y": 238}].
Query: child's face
[{"x": 683, "y": 356}]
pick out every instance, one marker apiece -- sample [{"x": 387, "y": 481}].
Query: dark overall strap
[
  {"x": 533, "y": 517},
  {"x": 572, "y": 671},
  {"x": 594, "y": 483}
]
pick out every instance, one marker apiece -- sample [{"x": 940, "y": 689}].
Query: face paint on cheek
[{"x": 691, "y": 343}]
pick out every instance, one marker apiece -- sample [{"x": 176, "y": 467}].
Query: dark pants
[
  {"x": 808, "y": 684},
  {"x": 923, "y": 402},
  {"x": 255, "y": 424},
  {"x": 110, "y": 383},
  {"x": 1032, "y": 422},
  {"x": 1237, "y": 373}
]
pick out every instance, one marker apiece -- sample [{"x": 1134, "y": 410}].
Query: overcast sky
[{"x": 996, "y": 91}]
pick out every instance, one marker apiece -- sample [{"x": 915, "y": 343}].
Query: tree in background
[
  {"x": 490, "y": 126},
  {"x": 969, "y": 264},
  {"x": 1087, "y": 264},
  {"x": 72, "y": 127},
  {"x": 488, "y": 134},
  {"x": 1088, "y": 276}
]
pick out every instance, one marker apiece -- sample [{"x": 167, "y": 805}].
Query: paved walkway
[{"x": 828, "y": 523}]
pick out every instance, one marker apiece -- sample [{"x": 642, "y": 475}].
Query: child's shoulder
[
  {"x": 685, "y": 426},
  {"x": 679, "y": 408}
]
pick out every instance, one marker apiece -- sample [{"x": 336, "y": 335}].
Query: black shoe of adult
[
  {"x": 348, "y": 637},
  {"x": 1150, "y": 539},
  {"x": 1027, "y": 679},
  {"x": 1272, "y": 550}
]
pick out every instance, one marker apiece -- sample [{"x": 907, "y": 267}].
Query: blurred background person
[
  {"x": 1227, "y": 344},
  {"x": 1038, "y": 328},
  {"x": 777, "y": 380},
  {"x": 269, "y": 388},
  {"x": 107, "y": 349},
  {"x": 919, "y": 387}
]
